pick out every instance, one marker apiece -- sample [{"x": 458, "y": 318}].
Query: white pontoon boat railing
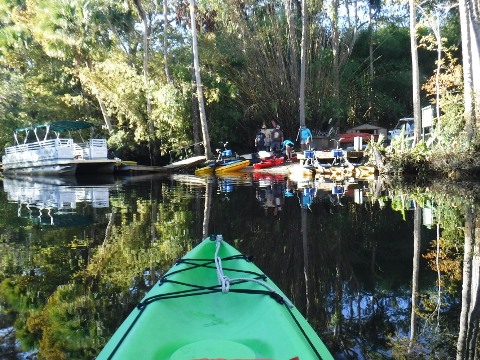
[
  {"x": 91, "y": 149},
  {"x": 52, "y": 143}
]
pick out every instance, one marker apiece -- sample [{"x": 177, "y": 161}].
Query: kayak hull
[
  {"x": 233, "y": 166},
  {"x": 204, "y": 170},
  {"x": 202, "y": 322},
  {"x": 269, "y": 163}
]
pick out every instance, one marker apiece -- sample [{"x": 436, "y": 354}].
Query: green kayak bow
[{"x": 215, "y": 304}]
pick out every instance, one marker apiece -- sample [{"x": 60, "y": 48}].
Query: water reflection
[
  {"x": 55, "y": 201},
  {"x": 379, "y": 271}
]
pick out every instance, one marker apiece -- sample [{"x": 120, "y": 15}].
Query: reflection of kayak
[
  {"x": 364, "y": 168},
  {"x": 266, "y": 163},
  {"x": 340, "y": 170},
  {"x": 215, "y": 303},
  {"x": 260, "y": 176},
  {"x": 233, "y": 165},
  {"x": 236, "y": 177},
  {"x": 364, "y": 171},
  {"x": 298, "y": 171}
]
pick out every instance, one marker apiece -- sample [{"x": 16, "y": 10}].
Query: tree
[
  {"x": 303, "y": 61},
  {"x": 470, "y": 26},
  {"x": 417, "y": 240},
  {"x": 469, "y": 316},
  {"x": 165, "y": 40},
  {"x": 434, "y": 21},
  {"x": 146, "y": 34},
  {"x": 73, "y": 33},
  {"x": 373, "y": 6},
  {"x": 336, "y": 51},
  {"x": 417, "y": 112},
  {"x": 198, "y": 80},
  {"x": 290, "y": 12}
]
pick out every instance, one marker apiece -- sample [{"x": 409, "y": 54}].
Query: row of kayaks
[
  {"x": 215, "y": 303},
  {"x": 226, "y": 166},
  {"x": 229, "y": 166}
]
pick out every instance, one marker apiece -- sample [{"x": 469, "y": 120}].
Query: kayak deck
[
  {"x": 215, "y": 303},
  {"x": 232, "y": 166}
]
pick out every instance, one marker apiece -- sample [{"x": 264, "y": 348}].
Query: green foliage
[
  {"x": 121, "y": 89},
  {"x": 55, "y": 282},
  {"x": 408, "y": 161},
  {"x": 387, "y": 96},
  {"x": 448, "y": 128},
  {"x": 84, "y": 60}
]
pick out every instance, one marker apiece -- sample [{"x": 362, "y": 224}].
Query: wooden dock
[
  {"x": 131, "y": 167},
  {"x": 354, "y": 156}
]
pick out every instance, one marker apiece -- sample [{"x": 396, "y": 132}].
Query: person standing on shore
[
  {"x": 260, "y": 141},
  {"x": 305, "y": 137},
  {"x": 268, "y": 137},
  {"x": 277, "y": 139}
]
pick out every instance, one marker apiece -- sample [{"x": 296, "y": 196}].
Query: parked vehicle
[{"x": 405, "y": 125}]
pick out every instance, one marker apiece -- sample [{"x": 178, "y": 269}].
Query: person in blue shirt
[
  {"x": 287, "y": 146},
  {"x": 305, "y": 137}
]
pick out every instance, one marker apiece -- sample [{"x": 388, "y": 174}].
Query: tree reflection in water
[{"x": 342, "y": 251}]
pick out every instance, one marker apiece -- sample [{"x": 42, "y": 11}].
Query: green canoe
[{"x": 215, "y": 304}]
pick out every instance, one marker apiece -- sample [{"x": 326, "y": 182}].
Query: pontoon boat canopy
[{"x": 60, "y": 126}]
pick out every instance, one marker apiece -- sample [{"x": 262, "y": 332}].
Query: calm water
[{"x": 77, "y": 255}]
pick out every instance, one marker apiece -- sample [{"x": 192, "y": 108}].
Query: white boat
[{"x": 44, "y": 149}]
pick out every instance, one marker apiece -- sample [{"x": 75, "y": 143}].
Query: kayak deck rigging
[{"x": 240, "y": 280}]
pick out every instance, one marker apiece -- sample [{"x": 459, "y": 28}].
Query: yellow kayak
[
  {"x": 232, "y": 166},
  {"x": 204, "y": 170}
]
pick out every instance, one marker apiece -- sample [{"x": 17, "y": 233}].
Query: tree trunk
[
  {"x": 464, "y": 334},
  {"x": 417, "y": 109},
  {"x": 475, "y": 18},
  {"x": 370, "y": 60},
  {"x": 306, "y": 264},
  {"x": 336, "y": 51},
  {"x": 466, "y": 26},
  {"x": 437, "y": 74},
  {"x": 165, "y": 40},
  {"x": 417, "y": 239},
  {"x": 198, "y": 80},
  {"x": 106, "y": 117},
  {"x": 289, "y": 10},
  {"x": 474, "y": 313},
  {"x": 303, "y": 61},
  {"x": 195, "y": 117},
  {"x": 151, "y": 127},
  {"x": 206, "y": 208}
]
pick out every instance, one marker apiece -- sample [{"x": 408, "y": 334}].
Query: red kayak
[{"x": 266, "y": 163}]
